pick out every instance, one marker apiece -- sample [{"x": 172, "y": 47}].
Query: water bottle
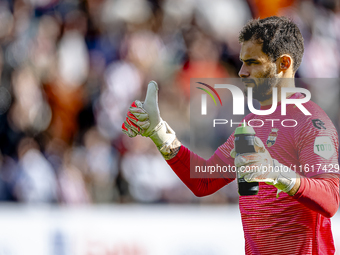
[{"x": 244, "y": 143}]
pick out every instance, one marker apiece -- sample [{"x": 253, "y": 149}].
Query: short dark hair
[{"x": 278, "y": 35}]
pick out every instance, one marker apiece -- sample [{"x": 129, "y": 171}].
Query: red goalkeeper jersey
[{"x": 296, "y": 224}]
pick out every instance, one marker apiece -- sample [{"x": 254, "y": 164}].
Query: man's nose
[{"x": 243, "y": 73}]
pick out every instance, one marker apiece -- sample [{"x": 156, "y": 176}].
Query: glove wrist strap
[{"x": 164, "y": 137}]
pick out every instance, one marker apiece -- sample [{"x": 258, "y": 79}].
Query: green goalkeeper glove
[
  {"x": 260, "y": 167},
  {"x": 143, "y": 118}
]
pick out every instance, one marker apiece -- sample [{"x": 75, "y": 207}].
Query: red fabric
[
  {"x": 320, "y": 195},
  {"x": 283, "y": 225},
  {"x": 199, "y": 186}
]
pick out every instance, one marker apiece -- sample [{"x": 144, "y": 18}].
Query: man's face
[{"x": 258, "y": 71}]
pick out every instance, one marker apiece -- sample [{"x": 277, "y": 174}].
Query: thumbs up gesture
[{"x": 143, "y": 118}]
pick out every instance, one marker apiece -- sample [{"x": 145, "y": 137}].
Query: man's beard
[{"x": 263, "y": 87}]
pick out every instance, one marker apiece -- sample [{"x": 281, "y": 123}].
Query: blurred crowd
[{"x": 70, "y": 69}]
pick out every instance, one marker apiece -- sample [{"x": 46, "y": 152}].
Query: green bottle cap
[{"x": 244, "y": 130}]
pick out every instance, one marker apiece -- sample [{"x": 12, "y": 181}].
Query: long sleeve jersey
[{"x": 296, "y": 224}]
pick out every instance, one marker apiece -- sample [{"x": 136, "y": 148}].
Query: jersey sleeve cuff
[
  {"x": 179, "y": 156},
  {"x": 301, "y": 189}
]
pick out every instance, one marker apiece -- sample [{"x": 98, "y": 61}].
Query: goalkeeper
[{"x": 298, "y": 221}]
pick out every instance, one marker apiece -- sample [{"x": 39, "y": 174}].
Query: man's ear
[{"x": 285, "y": 62}]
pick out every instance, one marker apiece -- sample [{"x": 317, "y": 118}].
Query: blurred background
[{"x": 70, "y": 69}]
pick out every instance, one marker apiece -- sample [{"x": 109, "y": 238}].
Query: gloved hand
[
  {"x": 144, "y": 119},
  {"x": 260, "y": 167},
  {"x": 133, "y": 126}
]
